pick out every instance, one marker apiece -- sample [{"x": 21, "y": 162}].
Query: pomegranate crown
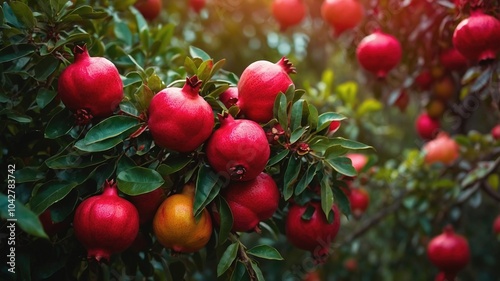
[
  {"x": 287, "y": 65},
  {"x": 80, "y": 51},
  {"x": 110, "y": 188},
  {"x": 193, "y": 85},
  {"x": 225, "y": 117}
]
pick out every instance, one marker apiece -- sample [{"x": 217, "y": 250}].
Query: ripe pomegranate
[
  {"x": 252, "y": 201},
  {"x": 312, "y": 276},
  {"x": 449, "y": 252},
  {"x": 379, "y": 53},
  {"x": 90, "y": 86},
  {"x": 496, "y": 225},
  {"x": 197, "y": 5},
  {"x": 106, "y": 224},
  {"x": 359, "y": 199},
  {"x": 452, "y": 60},
  {"x": 175, "y": 225},
  {"x": 239, "y": 148},
  {"x": 179, "y": 118},
  {"x": 334, "y": 127},
  {"x": 441, "y": 149},
  {"x": 147, "y": 204},
  {"x": 424, "y": 80},
  {"x": 342, "y": 15},
  {"x": 229, "y": 97},
  {"x": 444, "y": 88},
  {"x": 478, "y": 36},
  {"x": 495, "y": 132},
  {"x": 281, "y": 12},
  {"x": 150, "y": 9},
  {"x": 427, "y": 128},
  {"x": 315, "y": 234},
  {"x": 259, "y": 85},
  {"x": 358, "y": 160},
  {"x": 49, "y": 226}
]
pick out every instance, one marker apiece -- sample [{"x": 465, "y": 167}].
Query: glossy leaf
[
  {"x": 226, "y": 220},
  {"x": 138, "y": 180},
  {"x": 44, "y": 97},
  {"x": 28, "y": 174},
  {"x": 265, "y": 252},
  {"x": 278, "y": 157},
  {"x": 291, "y": 173},
  {"x": 24, "y": 218},
  {"x": 350, "y": 144},
  {"x": 227, "y": 258},
  {"x": 50, "y": 193},
  {"x": 306, "y": 179},
  {"x": 342, "y": 165},
  {"x": 208, "y": 185},
  {"x": 326, "y": 199}
]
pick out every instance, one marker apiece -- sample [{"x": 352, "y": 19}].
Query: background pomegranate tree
[{"x": 402, "y": 199}]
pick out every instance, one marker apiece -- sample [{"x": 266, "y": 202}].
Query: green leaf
[
  {"x": 282, "y": 110},
  {"x": 350, "y": 144},
  {"x": 297, "y": 134},
  {"x": 25, "y": 218},
  {"x": 227, "y": 258},
  {"x": 28, "y": 174},
  {"x": 335, "y": 151},
  {"x": 198, "y": 53},
  {"x": 59, "y": 125},
  {"x": 482, "y": 169},
  {"x": 258, "y": 272},
  {"x": 226, "y": 220},
  {"x": 265, "y": 252},
  {"x": 50, "y": 193},
  {"x": 326, "y": 199},
  {"x": 342, "y": 165},
  {"x": 312, "y": 119},
  {"x": 291, "y": 173},
  {"x": 174, "y": 164},
  {"x": 296, "y": 114},
  {"x": 45, "y": 68},
  {"x": 307, "y": 178},
  {"x": 347, "y": 92},
  {"x": 23, "y": 14},
  {"x": 240, "y": 273},
  {"x": 18, "y": 117},
  {"x": 44, "y": 97},
  {"x": 73, "y": 160},
  {"x": 208, "y": 185},
  {"x": 369, "y": 105},
  {"x": 278, "y": 157},
  {"x": 138, "y": 180},
  {"x": 342, "y": 201},
  {"x": 326, "y": 118}
]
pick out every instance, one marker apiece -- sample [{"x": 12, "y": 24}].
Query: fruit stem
[
  {"x": 286, "y": 65},
  {"x": 192, "y": 86},
  {"x": 80, "y": 52}
]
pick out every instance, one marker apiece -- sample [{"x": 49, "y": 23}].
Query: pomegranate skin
[
  {"x": 150, "y": 9},
  {"x": 496, "y": 225},
  {"x": 252, "y": 201},
  {"x": 360, "y": 200},
  {"x": 238, "y": 149},
  {"x": 315, "y": 234},
  {"x": 229, "y": 97},
  {"x": 379, "y": 53},
  {"x": 478, "y": 36},
  {"x": 427, "y": 127},
  {"x": 449, "y": 252},
  {"x": 452, "y": 59},
  {"x": 259, "y": 85},
  {"x": 179, "y": 118},
  {"x": 147, "y": 204},
  {"x": 106, "y": 224},
  {"x": 495, "y": 132},
  {"x": 441, "y": 149},
  {"x": 342, "y": 15},
  {"x": 90, "y": 83},
  {"x": 197, "y": 5},
  {"x": 281, "y": 12},
  {"x": 358, "y": 160}
]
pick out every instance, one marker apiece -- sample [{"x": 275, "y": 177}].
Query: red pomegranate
[
  {"x": 281, "y": 12},
  {"x": 379, "y": 53},
  {"x": 478, "y": 36},
  {"x": 427, "y": 128},
  {"x": 351, "y": 264},
  {"x": 259, "y": 85},
  {"x": 238, "y": 149},
  {"x": 496, "y": 225},
  {"x": 49, "y": 226},
  {"x": 90, "y": 86},
  {"x": 424, "y": 80},
  {"x": 150, "y": 9},
  {"x": 358, "y": 160},
  {"x": 359, "y": 199},
  {"x": 197, "y": 5},
  {"x": 495, "y": 132},
  {"x": 441, "y": 149},
  {"x": 440, "y": 277},
  {"x": 449, "y": 252},
  {"x": 229, "y": 97},
  {"x": 334, "y": 127},
  {"x": 315, "y": 234},
  {"x": 252, "y": 201},
  {"x": 106, "y": 224},
  {"x": 452, "y": 60},
  {"x": 179, "y": 118},
  {"x": 147, "y": 204},
  {"x": 342, "y": 15}
]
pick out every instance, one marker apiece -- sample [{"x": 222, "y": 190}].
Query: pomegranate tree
[
  {"x": 106, "y": 224},
  {"x": 379, "y": 53}
]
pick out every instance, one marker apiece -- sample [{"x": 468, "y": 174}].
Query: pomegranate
[
  {"x": 440, "y": 277},
  {"x": 147, "y": 204},
  {"x": 150, "y": 9},
  {"x": 496, "y": 225},
  {"x": 444, "y": 88},
  {"x": 359, "y": 199},
  {"x": 495, "y": 132},
  {"x": 452, "y": 60},
  {"x": 179, "y": 118},
  {"x": 281, "y": 12},
  {"x": 197, "y": 5},
  {"x": 478, "y": 36},
  {"x": 358, "y": 160},
  {"x": 435, "y": 108},
  {"x": 424, "y": 80},
  {"x": 315, "y": 234},
  {"x": 312, "y": 276},
  {"x": 259, "y": 85},
  {"x": 342, "y": 15},
  {"x": 334, "y": 127},
  {"x": 239, "y": 148},
  {"x": 106, "y": 224},
  {"x": 229, "y": 97},
  {"x": 379, "y": 53},
  {"x": 427, "y": 128},
  {"x": 49, "y": 226},
  {"x": 90, "y": 86},
  {"x": 351, "y": 264},
  {"x": 441, "y": 149},
  {"x": 449, "y": 252},
  {"x": 252, "y": 201}
]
